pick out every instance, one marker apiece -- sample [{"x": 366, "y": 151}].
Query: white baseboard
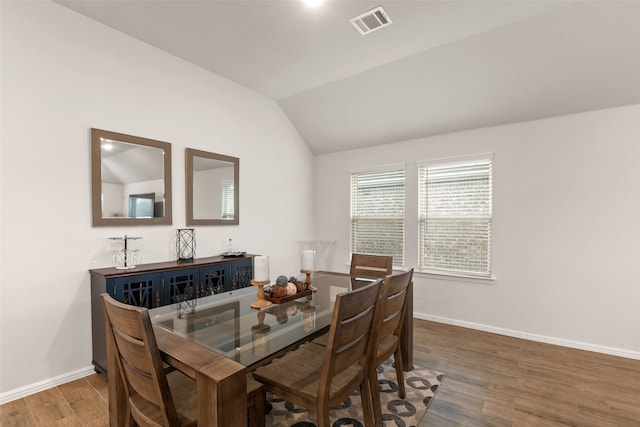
[
  {"x": 45, "y": 384},
  {"x": 533, "y": 337}
]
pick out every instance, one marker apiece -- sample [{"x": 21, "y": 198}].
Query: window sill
[{"x": 431, "y": 274}]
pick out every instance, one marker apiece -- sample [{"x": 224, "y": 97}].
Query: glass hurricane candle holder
[{"x": 186, "y": 244}]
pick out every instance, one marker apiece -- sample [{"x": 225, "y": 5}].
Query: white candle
[
  {"x": 261, "y": 268},
  {"x": 307, "y": 260}
]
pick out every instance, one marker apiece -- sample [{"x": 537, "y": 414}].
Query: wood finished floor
[{"x": 491, "y": 380}]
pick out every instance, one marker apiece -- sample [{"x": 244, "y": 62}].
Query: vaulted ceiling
[{"x": 440, "y": 67}]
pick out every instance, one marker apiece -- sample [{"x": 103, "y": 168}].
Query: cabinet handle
[{"x": 157, "y": 298}]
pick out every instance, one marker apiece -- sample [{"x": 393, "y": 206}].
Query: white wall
[
  {"x": 63, "y": 74},
  {"x": 113, "y": 204},
  {"x": 566, "y": 242}
]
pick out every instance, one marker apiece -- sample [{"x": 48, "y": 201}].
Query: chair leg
[
  {"x": 365, "y": 395},
  {"x": 375, "y": 396},
  {"x": 323, "y": 414},
  {"x": 260, "y": 409},
  {"x": 397, "y": 358},
  {"x": 256, "y": 403}
]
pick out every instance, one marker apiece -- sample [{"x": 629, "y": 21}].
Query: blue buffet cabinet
[{"x": 155, "y": 285}]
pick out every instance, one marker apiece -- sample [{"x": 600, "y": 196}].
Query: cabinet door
[
  {"x": 214, "y": 279},
  {"x": 175, "y": 282},
  {"x": 142, "y": 290},
  {"x": 241, "y": 273}
]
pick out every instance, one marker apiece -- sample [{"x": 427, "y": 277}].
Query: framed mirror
[
  {"x": 212, "y": 188},
  {"x": 130, "y": 180}
]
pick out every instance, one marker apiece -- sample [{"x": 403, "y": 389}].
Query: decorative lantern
[{"x": 186, "y": 244}]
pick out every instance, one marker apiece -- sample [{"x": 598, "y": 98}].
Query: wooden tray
[{"x": 290, "y": 298}]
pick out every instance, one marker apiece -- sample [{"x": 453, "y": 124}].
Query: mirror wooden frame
[
  {"x": 96, "y": 179},
  {"x": 190, "y": 153}
]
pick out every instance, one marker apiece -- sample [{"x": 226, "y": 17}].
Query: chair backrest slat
[
  {"x": 393, "y": 305},
  {"x": 350, "y": 333},
  {"x": 392, "y": 312},
  {"x": 353, "y": 340}
]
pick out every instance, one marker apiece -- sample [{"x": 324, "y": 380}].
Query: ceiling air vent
[{"x": 371, "y": 20}]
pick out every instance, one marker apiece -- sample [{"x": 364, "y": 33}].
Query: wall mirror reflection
[
  {"x": 212, "y": 193},
  {"x": 131, "y": 179}
]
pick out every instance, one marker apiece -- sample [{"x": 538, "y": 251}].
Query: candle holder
[
  {"x": 186, "y": 244},
  {"x": 261, "y": 302},
  {"x": 259, "y": 336},
  {"x": 123, "y": 256},
  {"x": 307, "y": 280},
  {"x": 308, "y": 317},
  {"x": 324, "y": 254}
]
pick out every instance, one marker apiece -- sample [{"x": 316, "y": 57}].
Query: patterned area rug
[{"x": 421, "y": 386}]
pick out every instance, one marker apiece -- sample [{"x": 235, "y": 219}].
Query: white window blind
[
  {"x": 455, "y": 217},
  {"x": 377, "y": 214},
  {"x": 227, "y": 200}
]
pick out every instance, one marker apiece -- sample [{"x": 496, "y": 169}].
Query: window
[
  {"x": 141, "y": 205},
  {"x": 377, "y": 214},
  {"x": 227, "y": 200},
  {"x": 455, "y": 216}
]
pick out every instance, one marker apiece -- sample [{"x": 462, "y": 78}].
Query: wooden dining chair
[
  {"x": 370, "y": 266},
  {"x": 387, "y": 334},
  {"x": 319, "y": 378},
  {"x": 155, "y": 396},
  {"x": 387, "y": 330}
]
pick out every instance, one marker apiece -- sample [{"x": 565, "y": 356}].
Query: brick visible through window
[
  {"x": 377, "y": 214},
  {"x": 455, "y": 216}
]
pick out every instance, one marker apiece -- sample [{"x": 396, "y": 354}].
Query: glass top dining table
[{"x": 226, "y": 323}]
